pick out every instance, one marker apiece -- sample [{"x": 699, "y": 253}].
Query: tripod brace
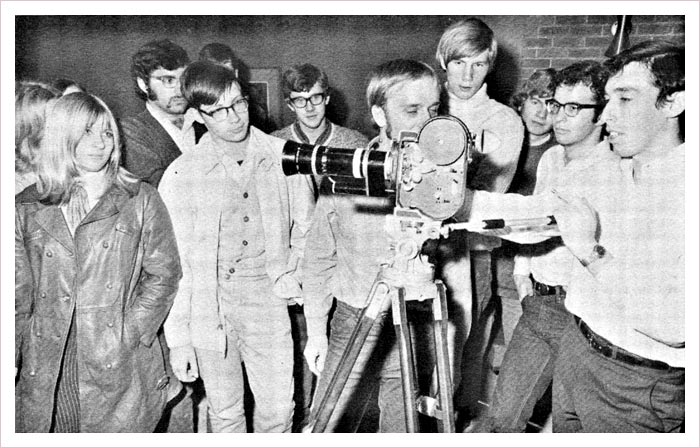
[{"x": 408, "y": 276}]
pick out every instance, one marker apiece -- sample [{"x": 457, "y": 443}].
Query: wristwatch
[{"x": 597, "y": 253}]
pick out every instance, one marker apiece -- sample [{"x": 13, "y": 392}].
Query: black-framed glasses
[
  {"x": 168, "y": 81},
  {"x": 239, "y": 106},
  {"x": 570, "y": 109},
  {"x": 300, "y": 102}
]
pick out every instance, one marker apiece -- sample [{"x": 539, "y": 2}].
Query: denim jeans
[
  {"x": 259, "y": 337},
  {"x": 377, "y": 364},
  {"x": 593, "y": 393},
  {"x": 475, "y": 363},
  {"x": 528, "y": 364}
]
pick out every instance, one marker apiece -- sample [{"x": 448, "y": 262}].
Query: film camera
[{"x": 426, "y": 170}]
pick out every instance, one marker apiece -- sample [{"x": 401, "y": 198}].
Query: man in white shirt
[
  {"x": 623, "y": 369},
  {"x": 577, "y": 165},
  {"x": 467, "y": 53}
]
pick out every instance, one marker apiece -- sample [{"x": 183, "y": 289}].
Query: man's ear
[
  {"x": 675, "y": 104},
  {"x": 142, "y": 85},
  {"x": 328, "y": 99},
  {"x": 379, "y": 116}
]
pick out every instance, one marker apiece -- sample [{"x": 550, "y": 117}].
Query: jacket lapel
[{"x": 52, "y": 221}]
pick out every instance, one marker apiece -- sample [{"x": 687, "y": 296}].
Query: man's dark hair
[
  {"x": 302, "y": 78},
  {"x": 155, "y": 55},
  {"x": 665, "y": 61},
  {"x": 540, "y": 83},
  {"x": 219, "y": 54},
  {"x": 591, "y": 74},
  {"x": 204, "y": 82}
]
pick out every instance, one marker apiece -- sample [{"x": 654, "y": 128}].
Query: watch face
[{"x": 600, "y": 250}]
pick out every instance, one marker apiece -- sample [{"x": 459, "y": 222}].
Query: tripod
[{"x": 407, "y": 277}]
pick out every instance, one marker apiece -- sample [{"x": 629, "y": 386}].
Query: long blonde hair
[
  {"x": 31, "y": 99},
  {"x": 66, "y": 121}
]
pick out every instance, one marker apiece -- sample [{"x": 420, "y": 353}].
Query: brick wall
[{"x": 558, "y": 41}]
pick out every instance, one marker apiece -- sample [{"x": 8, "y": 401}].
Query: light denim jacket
[{"x": 193, "y": 190}]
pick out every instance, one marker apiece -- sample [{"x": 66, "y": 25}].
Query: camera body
[{"x": 426, "y": 171}]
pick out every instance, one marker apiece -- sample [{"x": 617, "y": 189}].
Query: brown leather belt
[{"x": 610, "y": 350}]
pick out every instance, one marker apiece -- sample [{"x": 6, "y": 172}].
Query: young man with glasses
[
  {"x": 578, "y": 164},
  {"x": 156, "y": 137},
  {"x": 241, "y": 227},
  {"x": 306, "y": 90}
]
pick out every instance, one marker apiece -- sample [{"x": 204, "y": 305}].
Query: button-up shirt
[{"x": 551, "y": 262}]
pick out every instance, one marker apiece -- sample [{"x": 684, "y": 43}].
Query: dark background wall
[{"x": 96, "y": 50}]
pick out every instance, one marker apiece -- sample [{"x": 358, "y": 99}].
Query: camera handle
[{"x": 407, "y": 277}]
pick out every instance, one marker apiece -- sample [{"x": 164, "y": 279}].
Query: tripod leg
[
  {"x": 446, "y": 421},
  {"x": 379, "y": 300},
  {"x": 408, "y": 377}
]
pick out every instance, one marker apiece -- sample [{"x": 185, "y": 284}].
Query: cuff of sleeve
[{"x": 316, "y": 327}]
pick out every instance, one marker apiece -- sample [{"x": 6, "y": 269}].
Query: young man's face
[
  {"x": 310, "y": 116},
  {"x": 466, "y": 75},
  {"x": 631, "y": 116},
  {"x": 571, "y": 131},
  {"x": 410, "y": 104},
  {"x": 232, "y": 129},
  {"x": 169, "y": 99},
  {"x": 538, "y": 121}
]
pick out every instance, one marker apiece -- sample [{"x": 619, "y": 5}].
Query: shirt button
[
  {"x": 246, "y": 219},
  {"x": 109, "y": 366},
  {"x": 105, "y": 244},
  {"x": 108, "y": 286},
  {"x": 245, "y": 195},
  {"x": 32, "y": 373},
  {"x": 231, "y": 270},
  {"x": 110, "y": 325},
  {"x": 219, "y": 327},
  {"x": 245, "y": 243},
  {"x": 38, "y": 334},
  {"x": 227, "y": 276},
  {"x": 43, "y": 295},
  {"x": 49, "y": 253}
]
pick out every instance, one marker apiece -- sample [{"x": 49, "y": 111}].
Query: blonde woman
[
  {"x": 31, "y": 99},
  {"x": 96, "y": 271}
]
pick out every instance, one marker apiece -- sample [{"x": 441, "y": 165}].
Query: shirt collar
[{"x": 321, "y": 140}]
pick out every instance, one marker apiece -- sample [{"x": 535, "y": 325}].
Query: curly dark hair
[
  {"x": 592, "y": 74},
  {"x": 540, "y": 83},
  {"x": 665, "y": 61},
  {"x": 154, "y": 55}
]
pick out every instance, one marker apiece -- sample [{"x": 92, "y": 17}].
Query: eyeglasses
[
  {"x": 220, "y": 114},
  {"x": 570, "y": 109},
  {"x": 315, "y": 99},
  {"x": 168, "y": 81}
]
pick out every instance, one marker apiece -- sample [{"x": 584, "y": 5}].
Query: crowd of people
[{"x": 164, "y": 262}]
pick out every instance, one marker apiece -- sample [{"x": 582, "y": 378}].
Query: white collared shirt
[{"x": 183, "y": 138}]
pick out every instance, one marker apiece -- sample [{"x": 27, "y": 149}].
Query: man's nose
[
  {"x": 467, "y": 72},
  {"x": 308, "y": 107}
]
